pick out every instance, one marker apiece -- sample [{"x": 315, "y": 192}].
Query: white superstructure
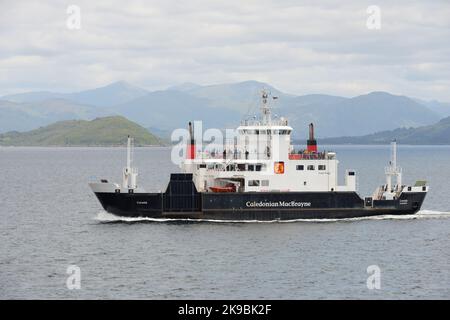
[{"x": 262, "y": 158}]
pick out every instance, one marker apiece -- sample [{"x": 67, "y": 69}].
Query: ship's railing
[
  {"x": 258, "y": 122},
  {"x": 307, "y": 156},
  {"x": 236, "y": 167},
  {"x": 392, "y": 170},
  {"x": 132, "y": 170},
  {"x": 231, "y": 154},
  {"x": 244, "y": 155},
  {"x": 304, "y": 155}
]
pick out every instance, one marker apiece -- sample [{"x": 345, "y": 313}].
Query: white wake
[{"x": 104, "y": 216}]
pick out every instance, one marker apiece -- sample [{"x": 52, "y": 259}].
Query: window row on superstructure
[
  {"x": 320, "y": 167},
  {"x": 232, "y": 167},
  {"x": 263, "y": 131},
  {"x": 257, "y": 183}
]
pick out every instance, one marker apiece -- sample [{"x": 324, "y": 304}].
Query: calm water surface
[{"x": 50, "y": 220}]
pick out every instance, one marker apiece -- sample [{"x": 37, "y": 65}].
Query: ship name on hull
[{"x": 275, "y": 204}]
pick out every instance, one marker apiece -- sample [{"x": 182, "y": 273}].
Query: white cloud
[{"x": 298, "y": 46}]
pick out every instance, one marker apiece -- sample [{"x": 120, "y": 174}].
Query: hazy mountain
[
  {"x": 333, "y": 115},
  {"x": 164, "y": 135},
  {"x": 13, "y": 117},
  {"x": 376, "y": 111},
  {"x": 303, "y": 110},
  {"x": 26, "y": 116},
  {"x": 186, "y": 86},
  {"x": 219, "y": 106},
  {"x": 26, "y": 111},
  {"x": 314, "y": 99},
  {"x": 112, "y": 94},
  {"x": 241, "y": 96},
  {"x": 440, "y": 108},
  {"x": 167, "y": 110},
  {"x": 438, "y": 133},
  {"x": 98, "y": 132},
  {"x": 36, "y": 96}
]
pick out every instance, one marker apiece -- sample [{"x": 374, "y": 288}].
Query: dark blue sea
[{"x": 51, "y": 223}]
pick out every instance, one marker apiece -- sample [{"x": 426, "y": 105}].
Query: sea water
[{"x": 52, "y": 224}]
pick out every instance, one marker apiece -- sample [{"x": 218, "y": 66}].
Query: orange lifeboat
[{"x": 228, "y": 188}]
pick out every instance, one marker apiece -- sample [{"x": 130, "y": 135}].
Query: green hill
[
  {"x": 438, "y": 133},
  {"x": 107, "y": 131}
]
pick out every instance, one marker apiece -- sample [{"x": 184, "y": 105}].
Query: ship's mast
[
  {"x": 393, "y": 170},
  {"x": 266, "y": 121},
  {"x": 129, "y": 173},
  {"x": 265, "y": 108},
  {"x": 129, "y": 155}
]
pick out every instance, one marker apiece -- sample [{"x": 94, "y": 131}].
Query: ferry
[{"x": 260, "y": 177}]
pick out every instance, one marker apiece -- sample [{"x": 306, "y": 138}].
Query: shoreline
[
  {"x": 83, "y": 146},
  {"x": 169, "y": 146}
]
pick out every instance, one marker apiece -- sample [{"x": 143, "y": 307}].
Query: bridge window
[
  {"x": 231, "y": 167},
  {"x": 322, "y": 167},
  {"x": 300, "y": 167},
  {"x": 281, "y": 132},
  {"x": 253, "y": 183},
  {"x": 310, "y": 167}
]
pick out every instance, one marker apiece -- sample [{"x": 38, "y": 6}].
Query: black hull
[{"x": 182, "y": 201}]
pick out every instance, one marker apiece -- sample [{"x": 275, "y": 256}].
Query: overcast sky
[{"x": 298, "y": 46}]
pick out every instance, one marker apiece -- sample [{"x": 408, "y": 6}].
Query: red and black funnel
[
  {"x": 191, "y": 144},
  {"x": 311, "y": 143}
]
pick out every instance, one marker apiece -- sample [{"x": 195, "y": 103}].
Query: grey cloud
[{"x": 299, "y": 46}]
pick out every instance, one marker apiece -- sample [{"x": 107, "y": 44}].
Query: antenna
[{"x": 394, "y": 153}]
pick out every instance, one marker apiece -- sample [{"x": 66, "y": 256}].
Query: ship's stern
[{"x": 412, "y": 197}]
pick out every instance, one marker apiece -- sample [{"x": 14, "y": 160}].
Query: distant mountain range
[
  {"x": 108, "y": 96},
  {"x": 112, "y": 131},
  {"x": 219, "y": 106},
  {"x": 438, "y": 133},
  {"x": 107, "y": 131},
  {"x": 23, "y": 116}
]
